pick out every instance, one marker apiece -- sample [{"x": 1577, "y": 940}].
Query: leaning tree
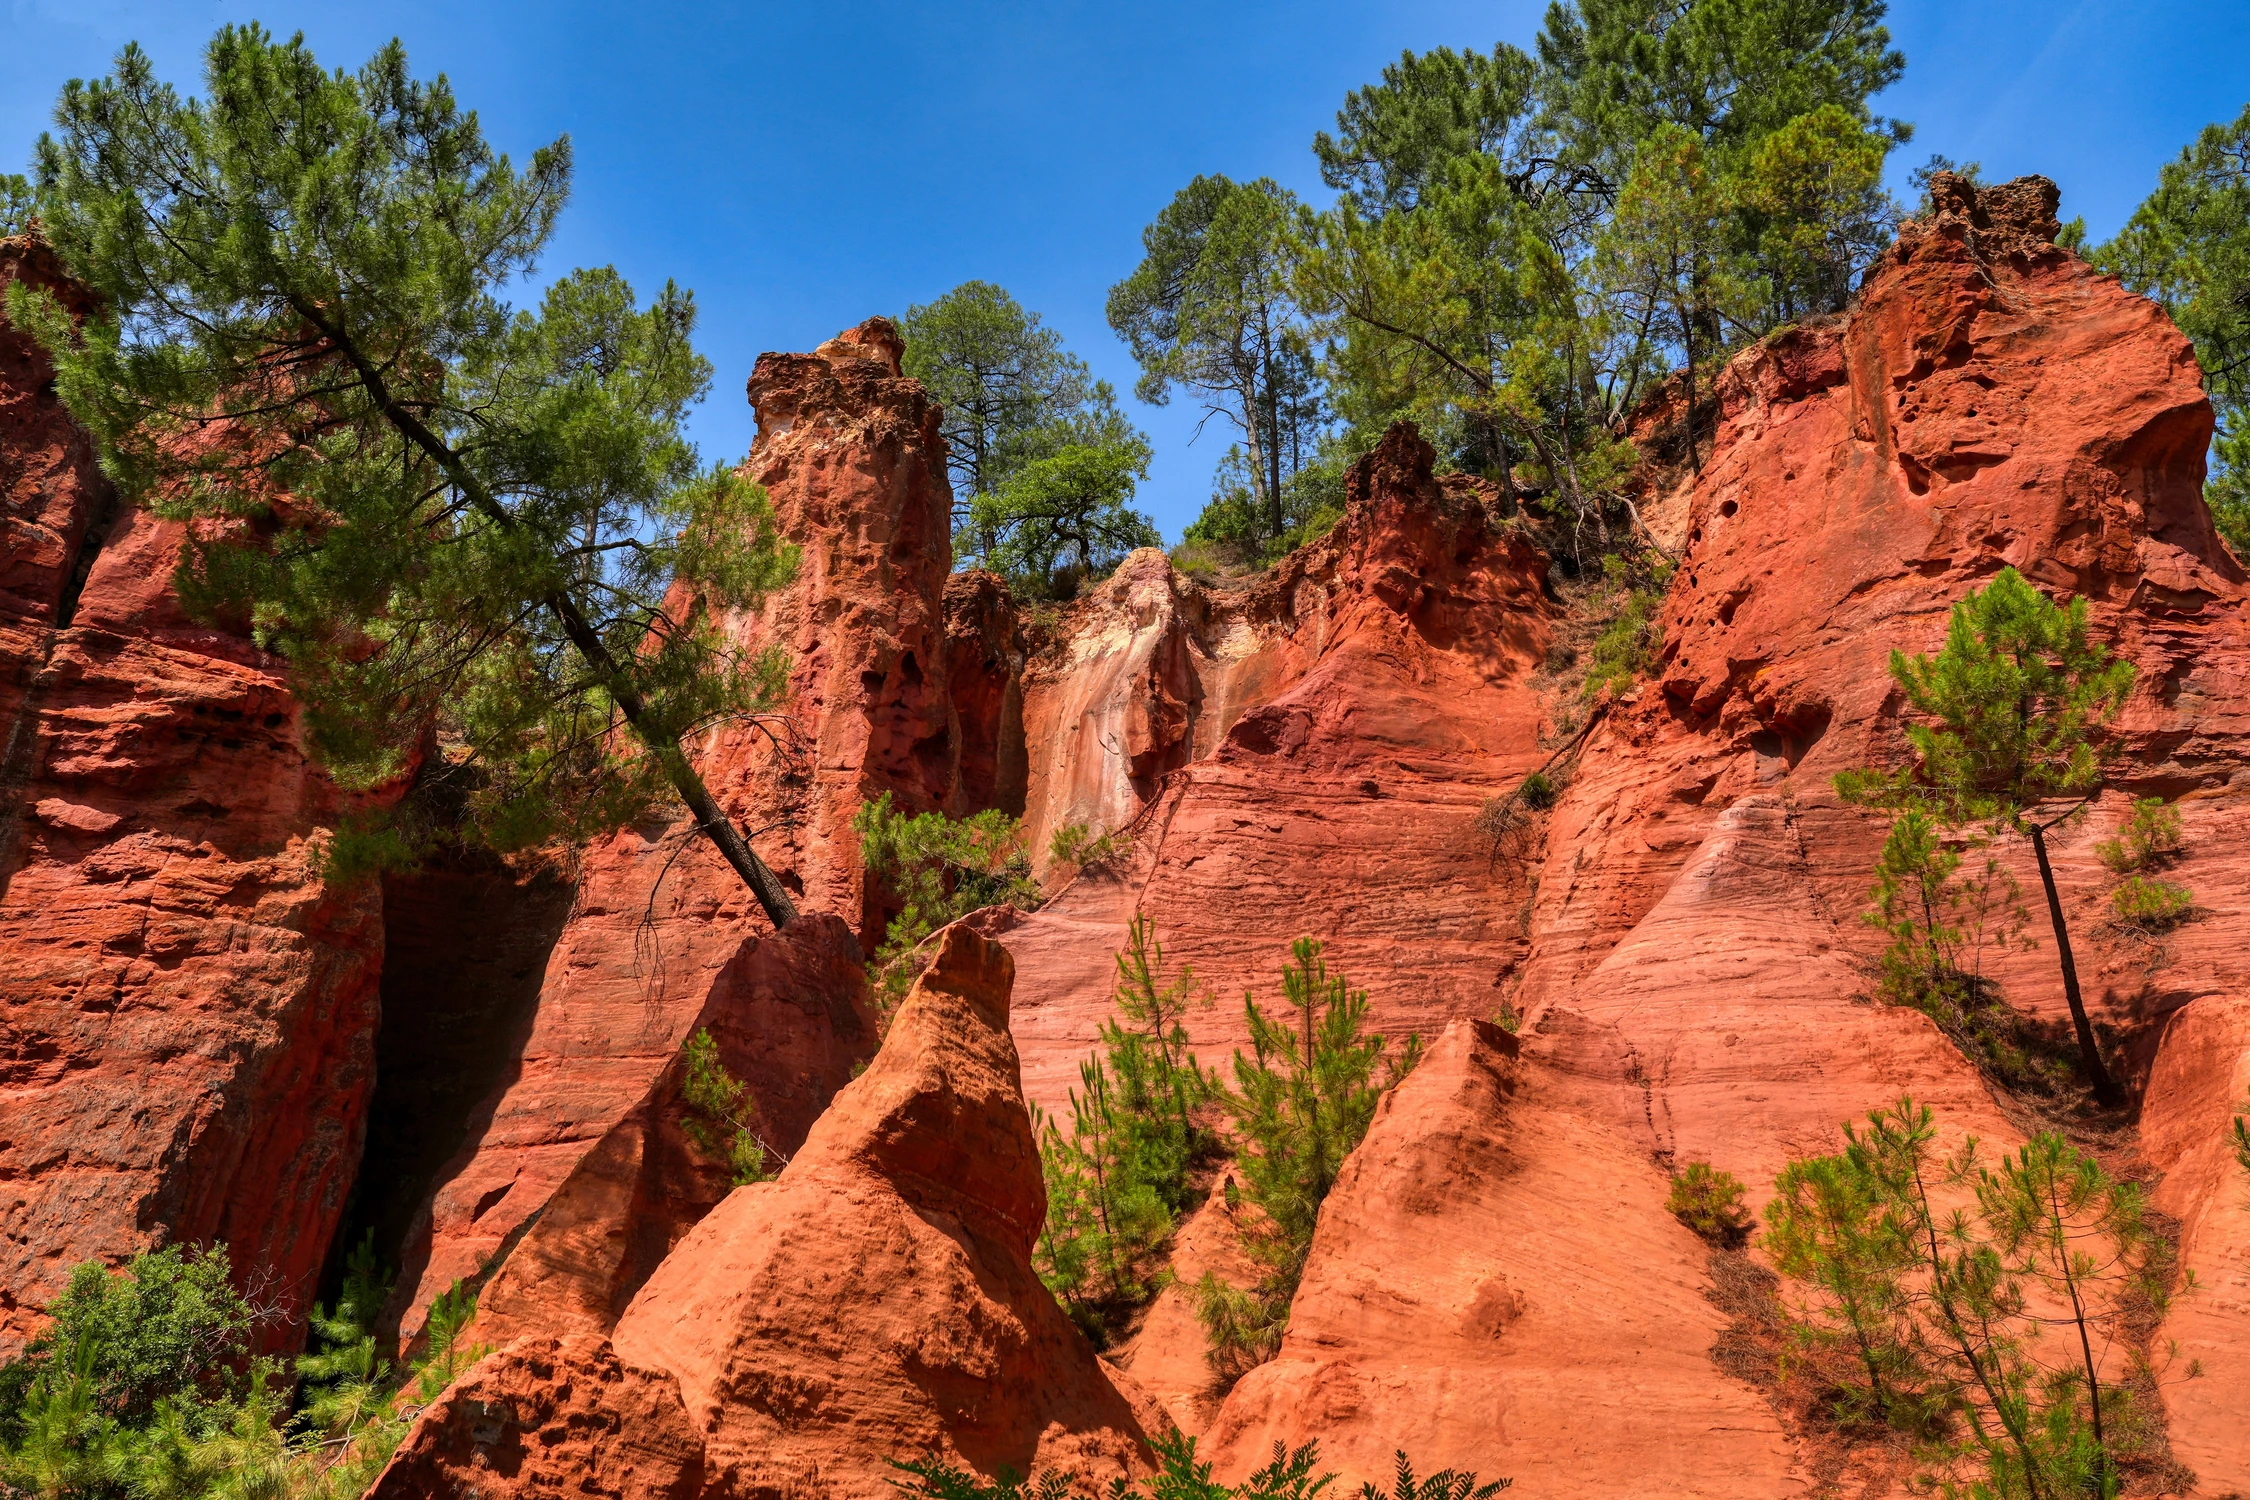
[{"x": 455, "y": 519}]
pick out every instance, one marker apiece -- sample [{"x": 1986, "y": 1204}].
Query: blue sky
[{"x": 803, "y": 165}]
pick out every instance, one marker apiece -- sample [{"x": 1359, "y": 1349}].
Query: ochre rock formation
[
  {"x": 791, "y": 1018},
  {"x": 1992, "y": 401},
  {"x": 1495, "y": 1284},
  {"x": 187, "y": 1007},
  {"x": 876, "y": 1302},
  {"x": 551, "y": 1417},
  {"x": 1694, "y": 979},
  {"x": 849, "y": 452},
  {"x": 1303, "y": 758},
  {"x": 1496, "y": 1287}
]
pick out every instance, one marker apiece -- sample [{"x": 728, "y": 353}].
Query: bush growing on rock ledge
[
  {"x": 940, "y": 869},
  {"x": 1181, "y": 1476},
  {"x": 1709, "y": 1202}
]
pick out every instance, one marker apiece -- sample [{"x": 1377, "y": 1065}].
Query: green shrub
[
  {"x": 1235, "y": 528},
  {"x": 1630, "y": 646},
  {"x": 170, "y": 1327},
  {"x": 1538, "y": 792},
  {"x": 1973, "y": 1328},
  {"x": 721, "y": 1115},
  {"x": 2149, "y": 906},
  {"x": 143, "y": 1386},
  {"x": 1079, "y": 845},
  {"x": 2150, "y": 832},
  {"x": 1302, "y": 1101},
  {"x": 940, "y": 869},
  {"x": 1181, "y": 1476},
  {"x": 1710, "y": 1203}
]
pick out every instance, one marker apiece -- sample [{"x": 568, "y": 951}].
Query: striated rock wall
[
  {"x": 1695, "y": 975},
  {"x": 1496, "y": 1287},
  {"x": 187, "y": 1008}
]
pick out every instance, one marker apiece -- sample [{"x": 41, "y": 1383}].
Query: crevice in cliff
[
  {"x": 466, "y": 941},
  {"x": 99, "y": 527}
]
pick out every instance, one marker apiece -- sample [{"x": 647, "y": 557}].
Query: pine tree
[
  {"x": 1975, "y": 1328},
  {"x": 2011, "y": 704},
  {"x": 721, "y": 1115},
  {"x": 443, "y": 512},
  {"x": 1117, "y": 1183},
  {"x": 1211, "y": 309},
  {"x": 1064, "y": 518},
  {"x": 1302, "y": 1100}
]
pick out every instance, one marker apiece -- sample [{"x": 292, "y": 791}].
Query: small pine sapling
[
  {"x": 2148, "y": 838},
  {"x": 2149, "y": 833},
  {"x": 1302, "y": 1101},
  {"x": 939, "y": 869},
  {"x": 2010, "y": 706},
  {"x": 722, "y": 1116},
  {"x": 1118, "y": 1181},
  {"x": 445, "y": 1353},
  {"x": 346, "y": 1381},
  {"x": 1291, "y": 1474},
  {"x": 1709, "y": 1202},
  {"x": 2147, "y": 907},
  {"x": 1941, "y": 923},
  {"x": 1981, "y": 1329},
  {"x": 1080, "y": 845}
]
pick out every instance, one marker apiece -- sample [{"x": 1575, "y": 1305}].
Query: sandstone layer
[{"x": 1305, "y": 758}]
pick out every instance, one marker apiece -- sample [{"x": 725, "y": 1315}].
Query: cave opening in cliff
[{"x": 465, "y": 950}]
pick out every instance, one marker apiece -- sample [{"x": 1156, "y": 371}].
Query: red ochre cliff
[
  {"x": 1495, "y": 1283},
  {"x": 187, "y": 1009}
]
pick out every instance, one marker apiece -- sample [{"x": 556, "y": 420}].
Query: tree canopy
[
  {"x": 1525, "y": 243},
  {"x": 450, "y": 516},
  {"x": 2188, "y": 247},
  {"x": 1041, "y": 459},
  {"x": 1211, "y": 310}
]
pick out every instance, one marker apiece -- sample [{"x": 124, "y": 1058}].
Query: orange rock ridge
[
  {"x": 876, "y": 1302},
  {"x": 1495, "y": 1284}
]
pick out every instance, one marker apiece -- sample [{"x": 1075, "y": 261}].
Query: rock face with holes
[
  {"x": 849, "y": 452},
  {"x": 551, "y": 1416},
  {"x": 1303, "y": 757},
  {"x": 187, "y": 1007},
  {"x": 1695, "y": 945},
  {"x": 1992, "y": 401},
  {"x": 875, "y": 1302}
]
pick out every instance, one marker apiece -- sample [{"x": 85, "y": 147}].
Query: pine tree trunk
[
  {"x": 763, "y": 884},
  {"x": 2089, "y": 1053}
]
